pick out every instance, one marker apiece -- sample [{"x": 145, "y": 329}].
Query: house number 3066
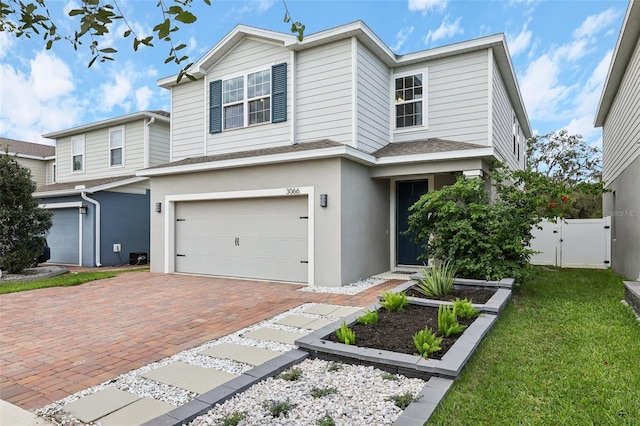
[{"x": 293, "y": 191}]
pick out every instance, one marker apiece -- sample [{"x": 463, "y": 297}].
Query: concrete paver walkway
[{"x": 57, "y": 341}]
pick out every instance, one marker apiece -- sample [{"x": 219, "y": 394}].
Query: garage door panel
[
  {"x": 64, "y": 236},
  {"x": 263, "y": 238}
]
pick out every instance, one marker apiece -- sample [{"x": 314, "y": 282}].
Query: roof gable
[{"x": 27, "y": 149}]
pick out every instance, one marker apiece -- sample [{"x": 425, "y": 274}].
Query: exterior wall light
[
  {"x": 158, "y": 207},
  {"x": 323, "y": 200}
]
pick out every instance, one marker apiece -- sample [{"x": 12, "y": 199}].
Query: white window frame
[
  {"x": 54, "y": 173},
  {"x": 423, "y": 74},
  {"x": 74, "y": 154},
  {"x": 246, "y": 100},
  {"x": 121, "y": 147}
]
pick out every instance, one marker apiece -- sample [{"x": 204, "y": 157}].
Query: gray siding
[
  {"x": 187, "y": 120},
  {"x": 158, "y": 143},
  {"x": 373, "y": 108},
  {"x": 502, "y": 122},
  {"x": 96, "y": 153},
  {"x": 457, "y": 99},
  {"x": 250, "y": 55},
  {"x": 324, "y": 93},
  {"x": 38, "y": 169},
  {"x": 621, "y": 130}
]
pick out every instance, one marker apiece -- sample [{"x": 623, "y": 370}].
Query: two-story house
[
  {"x": 297, "y": 161},
  {"x": 37, "y": 157},
  {"x": 619, "y": 116},
  {"x": 100, "y": 208}
]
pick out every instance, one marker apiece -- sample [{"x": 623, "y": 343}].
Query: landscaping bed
[{"x": 395, "y": 330}]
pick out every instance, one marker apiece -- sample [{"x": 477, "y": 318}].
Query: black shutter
[
  {"x": 279, "y": 92},
  {"x": 215, "y": 106}
]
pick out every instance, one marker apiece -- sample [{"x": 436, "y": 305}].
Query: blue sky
[{"x": 561, "y": 51}]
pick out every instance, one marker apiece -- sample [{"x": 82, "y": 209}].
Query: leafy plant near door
[
  {"x": 464, "y": 309},
  {"x": 394, "y": 301},
  {"x": 346, "y": 335},
  {"x": 427, "y": 342},
  {"x": 437, "y": 280},
  {"x": 448, "y": 322},
  {"x": 369, "y": 317}
]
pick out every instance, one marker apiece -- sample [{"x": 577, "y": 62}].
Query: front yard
[{"x": 565, "y": 351}]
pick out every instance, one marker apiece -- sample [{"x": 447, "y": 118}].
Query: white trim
[
  {"x": 115, "y": 129},
  {"x": 424, "y": 101},
  {"x": 98, "y": 227},
  {"x": 83, "y": 154},
  {"x": 354, "y": 92},
  {"x": 438, "y": 156},
  {"x": 27, "y": 156},
  {"x": 490, "y": 97},
  {"x": 207, "y": 114},
  {"x": 105, "y": 123},
  {"x": 169, "y": 219},
  {"x": 69, "y": 205},
  {"x": 171, "y": 124},
  {"x": 77, "y": 191},
  {"x": 292, "y": 77}
]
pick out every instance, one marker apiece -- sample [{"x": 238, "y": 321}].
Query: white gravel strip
[
  {"x": 361, "y": 397},
  {"x": 351, "y": 289}
]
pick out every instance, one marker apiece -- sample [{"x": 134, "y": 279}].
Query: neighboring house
[
  {"x": 619, "y": 116},
  {"x": 297, "y": 161},
  {"x": 100, "y": 208},
  {"x": 37, "y": 157}
]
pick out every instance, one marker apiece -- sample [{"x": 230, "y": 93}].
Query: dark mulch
[
  {"x": 394, "y": 331},
  {"x": 476, "y": 295}
]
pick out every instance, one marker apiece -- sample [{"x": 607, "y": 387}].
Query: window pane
[
  {"x": 77, "y": 163},
  {"x": 260, "y": 111},
  {"x": 77, "y": 146},
  {"x": 116, "y": 157},
  {"x": 234, "y": 116},
  {"x": 115, "y": 138},
  {"x": 259, "y": 84},
  {"x": 233, "y": 90}
]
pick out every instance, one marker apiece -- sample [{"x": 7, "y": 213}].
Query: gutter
[{"x": 97, "y": 204}]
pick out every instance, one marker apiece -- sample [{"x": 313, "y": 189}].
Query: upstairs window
[
  {"x": 54, "y": 173},
  {"x": 77, "y": 154},
  {"x": 259, "y": 97},
  {"x": 116, "y": 147},
  {"x": 409, "y": 101}
]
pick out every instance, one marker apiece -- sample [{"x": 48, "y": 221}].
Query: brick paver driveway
[{"x": 57, "y": 341}]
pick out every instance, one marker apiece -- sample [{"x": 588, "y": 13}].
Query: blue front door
[{"x": 407, "y": 193}]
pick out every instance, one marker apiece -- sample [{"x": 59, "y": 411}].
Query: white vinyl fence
[{"x": 573, "y": 243}]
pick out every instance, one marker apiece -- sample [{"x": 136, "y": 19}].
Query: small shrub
[
  {"x": 402, "y": 401},
  {"x": 369, "y": 317},
  {"x": 291, "y": 375},
  {"x": 334, "y": 366},
  {"x": 346, "y": 335},
  {"x": 389, "y": 376},
  {"x": 464, "y": 309},
  {"x": 447, "y": 321},
  {"x": 320, "y": 392},
  {"x": 327, "y": 420},
  {"x": 278, "y": 408},
  {"x": 394, "y": 301},
  {"x": 437, "y": 281},
  {"x": 232, "y": 420},
  {"x": 427, "y": 342}
]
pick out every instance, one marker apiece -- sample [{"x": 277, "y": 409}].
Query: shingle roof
[
  {"x": 253, "y": 153},
  {"x": 160, "y": 112},
  {"x": 91, "y": 183},
  {"x": 426, "y": 146},
  {"x": 27, "y": 148}
]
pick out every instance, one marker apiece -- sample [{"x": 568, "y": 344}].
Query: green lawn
[
  {"x": 564, "y": 352},
  {"x": 69, "y": 279}
]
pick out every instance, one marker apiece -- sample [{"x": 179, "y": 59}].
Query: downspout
[
  {"x": 147, "y": 145},
  {"x": 97, "y": 204}
]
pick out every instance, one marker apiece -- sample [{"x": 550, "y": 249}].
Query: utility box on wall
[{"x": 138, "y": 258}]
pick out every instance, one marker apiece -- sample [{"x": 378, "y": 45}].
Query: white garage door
[
  {"x": 262, "y": 238},
  {"x": 63, "y": 237}
]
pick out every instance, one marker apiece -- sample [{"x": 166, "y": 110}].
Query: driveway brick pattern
[{"x": 57, "y": 341}]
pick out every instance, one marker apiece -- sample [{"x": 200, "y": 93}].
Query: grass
[
  {"x": 64, "y": 280},
  {"x": 565, "y": 351}
]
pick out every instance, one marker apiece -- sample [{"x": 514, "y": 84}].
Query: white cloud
[
  {"x": 143, "y": 98},
  {"x": 46, "y": 94},
  {"x": 264, "y": 5},
  {"x": 116, "y": 93},
  {"x": 596, "y": 23},
  {"x": 541, "y": 90},
  {"x": 402, "y": 36},
  {"x": 445, "y": 30},
  {"x": 521, "y": 42},
  {"x": 425, "y": 6},
  {"x": 572, "y": 51},
  {"x": 6, "y": 43}
]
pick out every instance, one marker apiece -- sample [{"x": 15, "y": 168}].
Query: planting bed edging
[
  {"x": 495, "y": 305},
  {"x": 632, "y": 295},
  {"x": 449, "y": 366},
  {"x": 419, "y": 411}
]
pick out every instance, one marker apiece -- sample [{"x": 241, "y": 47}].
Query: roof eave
[
  {"x": 90, "y": 190},
  {"x": 106, "y": 123}
]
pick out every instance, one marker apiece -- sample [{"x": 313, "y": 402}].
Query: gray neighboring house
[
  {"x": 619, "y": 116},
  {"x": 297, "y": 161},
  {"x": 100, "y": 208},
  {"x": 37, "y": 157}
]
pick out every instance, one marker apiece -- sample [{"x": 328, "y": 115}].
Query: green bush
[
  {"x": 277, "y": 408},
  {"x": 232, "y": 420},
  {"x": 437, "y": 280},
  {"x": 346, "y": 335},
  {"x": 369, "y": 317},
  {"x": 427, "y": 342},
  {"x": 291, "y": 375},
  {"x": 447, "y": 322},
  {"x": 394, "y": 301},
  {"x": 464, "y": 309}
]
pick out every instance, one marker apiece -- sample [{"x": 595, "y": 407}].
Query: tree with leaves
[
  {"x": 568, "y": 159},
  {"x": 22, "y": 223},
  {"x": 96, "y": 18}
]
